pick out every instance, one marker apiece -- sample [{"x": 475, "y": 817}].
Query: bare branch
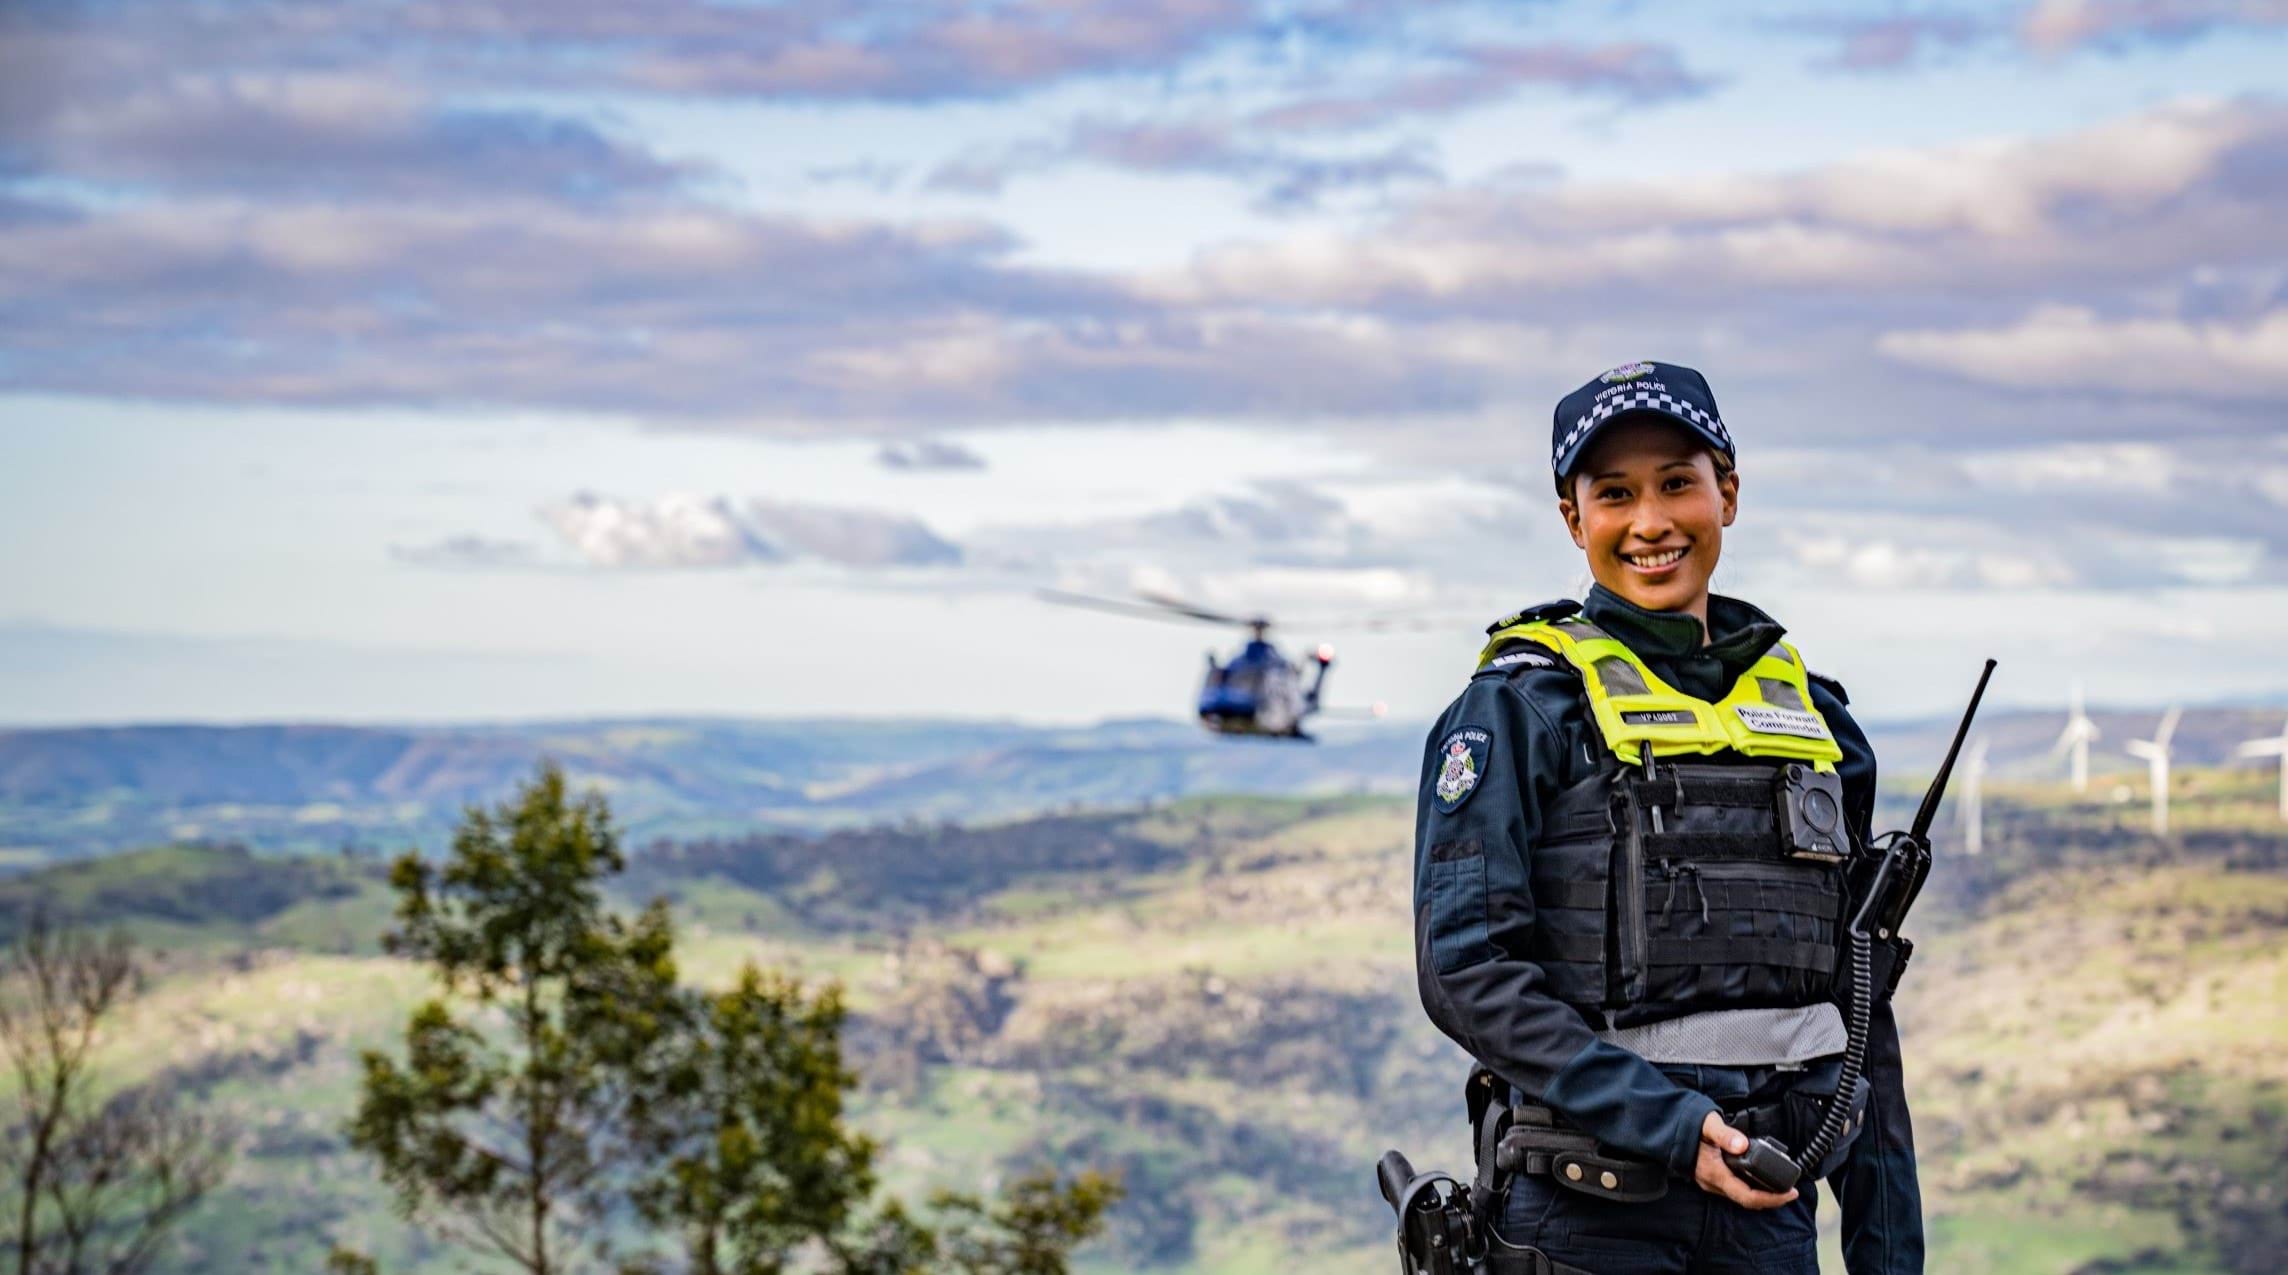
[{"x": 95, "y": 1181}]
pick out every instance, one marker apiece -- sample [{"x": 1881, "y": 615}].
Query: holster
[{"x": 1445, "y": 1228}]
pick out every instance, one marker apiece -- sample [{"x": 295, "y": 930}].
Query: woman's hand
[{"x": 1717, "y": 1178}]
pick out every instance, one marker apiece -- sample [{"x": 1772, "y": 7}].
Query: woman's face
[{"x": 1649, "y": 510}]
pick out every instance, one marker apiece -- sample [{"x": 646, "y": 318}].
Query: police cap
[{"x": 1665, "y": 390}]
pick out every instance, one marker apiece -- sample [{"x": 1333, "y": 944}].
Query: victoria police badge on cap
[
  {"x": 1461, "y": 763},
  {"x": 1625, "y": 372}
]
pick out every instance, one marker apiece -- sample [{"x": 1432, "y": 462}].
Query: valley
[{"x": 1215, "y": 998}]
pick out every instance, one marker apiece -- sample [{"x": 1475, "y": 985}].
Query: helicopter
[{"x": 1258, "y": 691}]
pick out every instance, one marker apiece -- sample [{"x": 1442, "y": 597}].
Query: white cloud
[
  {"x": 1272, "y": 522},
  {"x": 2201, "y": 532},
  {"x": 2071, "y": 466},
  {"x": 2059, "y": 26},
  {"x": 677, "y": 530},
  {"x": 1886, "y": 563},
  {"x": 2145, "y": 193},
  {"x": 466, "y": 550},
  {"x": 2068, "y": 347},
  {"x": 1476, "y": 300},
  {"x": 2212, "y": 560},
  {"x": 685, "y": 530},
  {"x": 2273, "y": 482},
  {"x": 928, "y": 453},
  {"x": 1297, "y": 590},
  {"x": 852, "y": 537}
]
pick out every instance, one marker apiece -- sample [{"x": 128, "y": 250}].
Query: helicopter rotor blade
[
  {"x": 1162, "y": 606},
  {"x": 1118, "y": 607},
  {"x": 1405, "y": 623},
  {"x": 1393, "y": 622},
  {"x": 1181, "y": 607}
]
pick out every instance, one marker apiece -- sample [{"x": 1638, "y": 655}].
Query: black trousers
[{"x": 1686, "y": 1232}]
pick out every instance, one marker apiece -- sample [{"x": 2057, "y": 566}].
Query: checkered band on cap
[{"x": 1640, "y": 400}]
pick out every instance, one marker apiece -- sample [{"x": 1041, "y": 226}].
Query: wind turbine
[
  {"x": 2155, "y": 751},
  {"x": 1973, "y": 808},
  {"x": 2075, "y": 740},
  {"x": 2274, "y": 746}
]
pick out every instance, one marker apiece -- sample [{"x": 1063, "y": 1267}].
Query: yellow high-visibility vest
[{"x": 1769, "y": 712}]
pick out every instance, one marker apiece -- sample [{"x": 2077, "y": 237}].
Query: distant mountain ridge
[
  {"x": 70, "y": 792},
  {"x": 2020, "y": 740}
]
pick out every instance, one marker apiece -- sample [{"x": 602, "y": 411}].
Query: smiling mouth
[{"x": 1654, "y": 561}]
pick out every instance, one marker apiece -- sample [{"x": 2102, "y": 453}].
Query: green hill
[
  {"x": 2099, "y": 1073},
  {"x": 208, "y": 897},
  {"x": 1216, "y": 997}
]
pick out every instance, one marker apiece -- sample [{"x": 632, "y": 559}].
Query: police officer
[{"x": 1609, "y": 914}]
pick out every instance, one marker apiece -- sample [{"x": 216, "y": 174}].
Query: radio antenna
[{"x": 1928, "y": 813}]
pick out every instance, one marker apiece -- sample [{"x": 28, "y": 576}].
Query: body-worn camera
[{"x": 1810, "y": 804}]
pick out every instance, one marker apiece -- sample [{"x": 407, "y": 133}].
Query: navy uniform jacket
[{"x": 1473, "y": 912}]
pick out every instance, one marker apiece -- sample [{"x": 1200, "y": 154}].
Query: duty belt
[
  {"x": 1529, "y": 1141},
  {"x": 1536, "y": 1147}
]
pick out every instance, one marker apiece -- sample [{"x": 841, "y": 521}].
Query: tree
[
  {"x": 502, "y": 1125},
  {"x": 1031, "y": 1230},
  {"x": 95, "y": 1174},
  {"x": 743, "y": 1154},
  {"x": 740, "y": 1127},
  {"x": 704, "y": 1129}
]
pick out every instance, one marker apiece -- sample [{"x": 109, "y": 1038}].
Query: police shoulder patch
[{"x": 1462, "y": 758}]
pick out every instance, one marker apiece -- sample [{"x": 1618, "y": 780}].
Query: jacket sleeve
[
  {"x": 1877, "y": 1187},
  {"x": 1473, "y": 913}
]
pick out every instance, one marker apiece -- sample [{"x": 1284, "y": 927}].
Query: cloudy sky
[{"x": 418, "y": 360}]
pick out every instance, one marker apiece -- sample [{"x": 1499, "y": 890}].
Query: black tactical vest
[{"x": 1635, "y": 925}]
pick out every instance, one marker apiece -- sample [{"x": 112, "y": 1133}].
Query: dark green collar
[{"x": 1738, "y": 633}]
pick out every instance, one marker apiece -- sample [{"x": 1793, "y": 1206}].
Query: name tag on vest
[
  {"x": 1658, "y": 717},
  {"x": 1781, "y": 721}
]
